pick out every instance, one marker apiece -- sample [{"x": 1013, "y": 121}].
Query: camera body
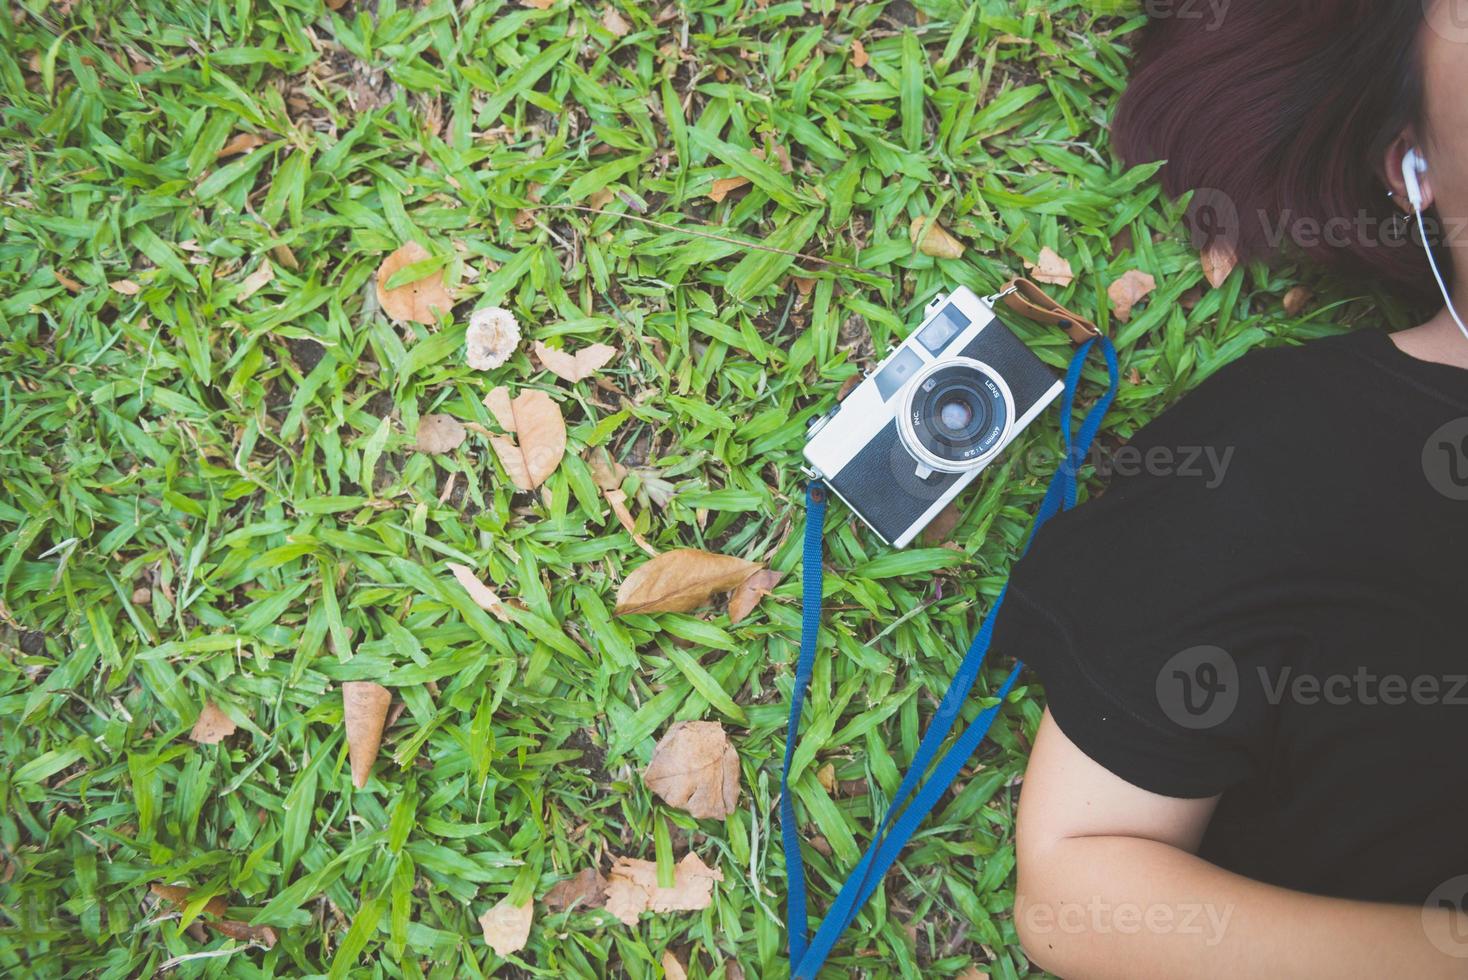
[{"x": 930, "y": 418}]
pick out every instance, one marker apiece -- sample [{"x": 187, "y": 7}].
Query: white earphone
[{"x": 1414, "y": 165}]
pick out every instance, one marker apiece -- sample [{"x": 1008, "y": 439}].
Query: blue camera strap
[{"x": 903, "y": 817}]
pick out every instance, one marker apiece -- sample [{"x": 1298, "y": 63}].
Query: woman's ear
[{"x": 1396, "y": 153}]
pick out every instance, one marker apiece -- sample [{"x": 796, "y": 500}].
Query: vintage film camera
[{"x": 928, "y": 420}]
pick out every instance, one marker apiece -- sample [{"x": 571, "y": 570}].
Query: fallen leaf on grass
[
  {"x": 1219, "y": 260},
  {"x": 725, "y": 186},
  {"x": 973, "y": 973},
  {"x": 941, "y": 526},
  {"x": 680, "y": 580},
  {"x": 241, "y": 143},
  {"x": 364, "y": 711},
  {"x": 1297, "y": 299},
  {"x": 1128, "y": 291},
  {"x": 540, "y": 435},
  {"x": 694, "y": 768},
  {"x": 1051, "y": 267},
  {"x": 587, "y": 890},
  {"x": 749, "y": 592},
  {"x": 538, "y": 4},
  {"x": 614, "y": 22},
  {"x": 491, "y": 338},
  {"x": 606, "y": 472},
  {"x": 482, "y": 594},
  {"x": 673, "y": 967},
  {"x": 213, "y": 726},
  {"x": 257, "y": 280},
  {"x": 125, "y": 286},
  {"x": 859, "y": 57},
  {"x": 633, "y": 887},
  {"x": 574, "y": 367},
  {"x": 179, "y": 895},
  {"x": 419, "y": 301},
  {"x": 72, "y": 286},
  {"x": 933, "y": 239},
  {"x": 217, "y": 907},
  {"x": 507, "y": 927},
  {"x": 618, "y": 500},
  {"x": 439, "y": 433}
]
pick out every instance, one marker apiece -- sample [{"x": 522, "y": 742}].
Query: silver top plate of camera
[{"x": 927, "y": 420}]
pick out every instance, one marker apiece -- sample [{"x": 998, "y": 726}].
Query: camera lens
[
  {"x": 958, "y": 415},
  {"x": 955, "y": 413}
]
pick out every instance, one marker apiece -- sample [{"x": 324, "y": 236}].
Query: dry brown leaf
[
  {"x": 749, "y": 592},
  {"x": 244, "y": 932},
  {"x": 179, "y": 896},
  {"x": 72, "y": 286},
  {"x": 826, "y": 776},
  {"x": 125, "y": 286},
  {"x": 482, "y": 594},
  {"x": 574, "y": 367},
  {"x": 618, "y": 500},
  {"x": 540, "y": 435},
  {"x": 419, "y": 301},
  {"x": 213, "y": 726},
  {"x": 941, "y": 526},
  {"x": 507, "y": 927},
  {"x": 614, "y": 22},
  {"x": 694, "y": 768},
  {"x": 724, "y": 186},
  {"x": 680, "y": 580},
  {"x": 538, "y": 4},
  {"x": 673, "y": 967},
  {"x": 217, "y": 907},
  {"x": 439, "y": 433},
  {"x": 257, "y": 280},
  {"x": 973, "y": 973},
  {"x": 633, "y": 887},
  {"x": 606, "y": 472},
  {"x": 364, "y": 712},
  {"x": 1051, "y": 267},
  {"x": 587, "y": 890},
  {"x": 1219, "y": 260},
  {"x": 492, "y": 336},
  {"x": 1297, "y": 299},
  {"x": 242, "y": 143},
  {"x": 859, "y": 57},
  {"x": 933, "y": 239},
  {"x": 1129, "y": 290}
]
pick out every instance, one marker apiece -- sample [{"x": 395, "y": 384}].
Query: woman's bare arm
[{"x": 1109, "y": 886}]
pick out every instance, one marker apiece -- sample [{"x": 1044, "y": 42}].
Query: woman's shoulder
[{"x": 1272, "y": 392}]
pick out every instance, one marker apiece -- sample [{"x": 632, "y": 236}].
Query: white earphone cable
[
  {"x": 1414, "y": 165},
  {"x": 1437, "y": 274}
]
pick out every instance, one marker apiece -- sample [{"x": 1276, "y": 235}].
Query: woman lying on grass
[{"x": 1253, "y": 762}]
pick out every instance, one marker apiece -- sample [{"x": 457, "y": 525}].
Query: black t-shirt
[{"x": 1270, "y": 602}]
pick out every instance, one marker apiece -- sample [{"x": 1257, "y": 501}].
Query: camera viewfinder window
[
  {"x": 943, "y": 328},
  {"x": 897, "y": 372}
]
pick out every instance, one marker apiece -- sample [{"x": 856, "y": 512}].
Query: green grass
[{"x": 210, "y": 496}]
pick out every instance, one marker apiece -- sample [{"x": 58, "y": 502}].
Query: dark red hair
[{"x": 1280, "y": 114}]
